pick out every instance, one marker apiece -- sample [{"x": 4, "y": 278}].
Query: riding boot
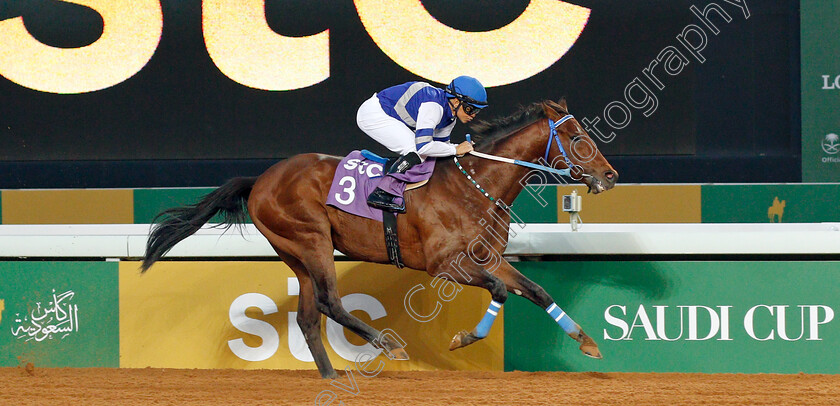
[
  {"x": 404, "y": 163},
  {"x": 383, "y": 200}
]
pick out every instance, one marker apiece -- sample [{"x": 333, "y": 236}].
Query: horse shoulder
[{"x": 448, "y": 221}]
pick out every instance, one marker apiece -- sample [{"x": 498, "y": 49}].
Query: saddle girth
[{"x": 392, "y": 240}]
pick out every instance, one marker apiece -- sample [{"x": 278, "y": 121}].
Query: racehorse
[{"x": 443, "y": 220}]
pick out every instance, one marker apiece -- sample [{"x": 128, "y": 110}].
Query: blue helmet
[{"x": 468, "y": 90}]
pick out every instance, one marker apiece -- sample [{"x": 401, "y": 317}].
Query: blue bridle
[{"x": 552, "y": 135}]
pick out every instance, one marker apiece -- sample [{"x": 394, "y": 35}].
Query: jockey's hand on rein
[{"x": 463, "y": 148}]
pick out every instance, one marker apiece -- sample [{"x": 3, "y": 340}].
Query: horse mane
[{"x": 488, "y": 133}]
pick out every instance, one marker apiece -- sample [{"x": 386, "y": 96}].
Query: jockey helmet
[{"x": 469, "y": 90}]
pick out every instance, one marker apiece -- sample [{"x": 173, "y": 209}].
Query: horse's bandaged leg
[
  {"x": 563, "y": 319},
  {"x": 483, "y": 327}
]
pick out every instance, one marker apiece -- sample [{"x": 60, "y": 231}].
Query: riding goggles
[
  {"x": 470, "y": 109},
  {"x": 471, "y": 106}
]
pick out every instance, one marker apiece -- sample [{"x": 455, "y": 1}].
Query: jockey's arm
[{"x": 427, "y": 140}]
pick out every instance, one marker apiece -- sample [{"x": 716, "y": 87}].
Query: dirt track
[{"x": 100, "y": 386}]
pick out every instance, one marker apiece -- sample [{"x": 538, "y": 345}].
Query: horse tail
[{"x": 181, "y": 222}]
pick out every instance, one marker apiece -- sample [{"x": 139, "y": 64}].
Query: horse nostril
[{"x": 610, "y": 175}]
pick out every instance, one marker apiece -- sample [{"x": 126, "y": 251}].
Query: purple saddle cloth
[{"x": 356, "y": 177}]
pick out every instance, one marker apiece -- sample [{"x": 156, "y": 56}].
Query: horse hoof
[
  {"x": 591, "y": 351},
  {"x": 587, "y": 345},
  {"x": 462, "y": 339},
  {"x": 458, "y": 340},
  {"x": 329, "y": 374}
]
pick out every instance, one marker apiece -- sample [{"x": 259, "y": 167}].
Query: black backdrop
[{"x": 181, "y": 122}]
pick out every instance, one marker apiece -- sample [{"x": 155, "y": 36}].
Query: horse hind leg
[
  {"x": 309, "y": 319},
  {"x": 308, "y": 316},
  {"x": 319, "y": 264},
  {"x": 322, "y": 270},
  {"x": 306, "y": 240}
]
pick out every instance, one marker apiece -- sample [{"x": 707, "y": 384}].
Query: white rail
[{"x": 128, "y": 240}]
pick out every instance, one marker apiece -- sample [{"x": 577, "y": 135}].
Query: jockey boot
[
  {"x": 383, "y": 200},
  {"x": 404, "y": 163}
]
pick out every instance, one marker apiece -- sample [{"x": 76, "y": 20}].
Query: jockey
[{"x": 415, "y": 119}]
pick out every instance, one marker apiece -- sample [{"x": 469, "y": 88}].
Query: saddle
[
  {"x": 358, "y": 174},
  {"x": 387, "y": 162}
]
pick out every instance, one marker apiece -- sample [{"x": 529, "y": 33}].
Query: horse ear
[
  {"x": 562, "y": 104},
  {"x": 553, "y": 109}
]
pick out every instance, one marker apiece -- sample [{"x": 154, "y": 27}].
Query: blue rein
[
  {"x": 561, "y": 172},
  {"x": 552, "y": 128}
]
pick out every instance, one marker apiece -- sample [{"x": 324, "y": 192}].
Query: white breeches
[{"x": 386, "y": 130}]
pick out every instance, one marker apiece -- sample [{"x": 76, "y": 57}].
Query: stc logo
[
  {"x": 700, "y": 323},
  {"x": 297, "y": 343},
  {"x": 246, "y": 50}
]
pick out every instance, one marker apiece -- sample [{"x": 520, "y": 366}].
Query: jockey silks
[{"x": 421, "y": 107}]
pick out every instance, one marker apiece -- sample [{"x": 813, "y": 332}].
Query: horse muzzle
[{"x": 598, "y": 185}]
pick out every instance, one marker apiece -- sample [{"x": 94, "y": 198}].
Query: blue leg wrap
[
  {"x": 563, "y": 319},
  {"x": 486, "y": 322}
]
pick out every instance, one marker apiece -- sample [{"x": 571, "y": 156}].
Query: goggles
[
  {"x": 470, "y": 109},
  {"x": 470, "y": 105}
]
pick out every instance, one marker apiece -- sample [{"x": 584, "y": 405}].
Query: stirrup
[{"x": 383, "y": 200}]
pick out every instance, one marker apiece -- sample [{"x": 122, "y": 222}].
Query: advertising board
[
  {"x": 820, "y": 91},
  {"x": 662, "y": 316},
  {"x": 59, "y": 314},
  {"x": 243, "y": 315}
]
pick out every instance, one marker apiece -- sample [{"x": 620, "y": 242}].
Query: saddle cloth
[{"x": 357, "y": 176}]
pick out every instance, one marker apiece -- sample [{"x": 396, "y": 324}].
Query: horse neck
[{"x": 504, "y": 180}]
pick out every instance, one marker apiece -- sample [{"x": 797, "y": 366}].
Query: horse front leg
[
  {"x": 475, "y": 275},
  {"x": 520, "y": 285}
]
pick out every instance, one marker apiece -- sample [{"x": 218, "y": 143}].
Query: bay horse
[{"x": 287, "y": 204}]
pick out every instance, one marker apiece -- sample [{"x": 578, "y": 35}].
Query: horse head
[{"x": 570, "y": 146}]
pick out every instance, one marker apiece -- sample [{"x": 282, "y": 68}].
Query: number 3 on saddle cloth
[{"x": 358, "y": 174}]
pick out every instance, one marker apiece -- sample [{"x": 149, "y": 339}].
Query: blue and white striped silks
[
  {"x": 486, "y": 322},
  {"x": 566, "y": 323}
]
